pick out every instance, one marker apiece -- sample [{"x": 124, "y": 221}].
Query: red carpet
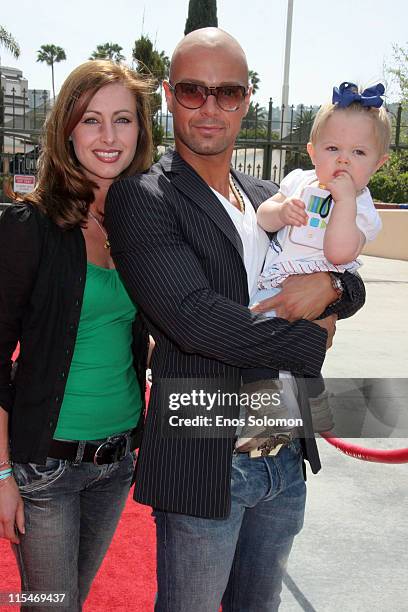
[{"x": 126, "y": 582}]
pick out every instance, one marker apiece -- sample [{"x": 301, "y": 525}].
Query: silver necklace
[{"x": 107, "y": 243}]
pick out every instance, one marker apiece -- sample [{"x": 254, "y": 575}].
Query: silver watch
[{"x": 337, "y": 284}]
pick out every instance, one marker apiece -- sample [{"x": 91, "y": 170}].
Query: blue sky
[{"x": 332, "y": 40}]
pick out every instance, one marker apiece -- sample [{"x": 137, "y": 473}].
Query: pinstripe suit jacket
[{"x": 181, "y": 260}]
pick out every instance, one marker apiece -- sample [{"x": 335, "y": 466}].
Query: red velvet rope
[{"x": 399, "y": 455}]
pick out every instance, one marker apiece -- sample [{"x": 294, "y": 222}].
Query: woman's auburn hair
[{"x": 63, "y": 192}]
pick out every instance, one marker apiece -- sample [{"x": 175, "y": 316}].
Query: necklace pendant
[{"x": 107, "y": 244}]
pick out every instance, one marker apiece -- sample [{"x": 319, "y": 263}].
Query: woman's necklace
[
  {"x": 107, "y": 243},
  {"x": 237, "y": 194}
]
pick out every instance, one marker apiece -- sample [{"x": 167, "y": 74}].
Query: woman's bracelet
[
  {"x": 6, "y": 474},
  {"x": 7, "y": 462}
]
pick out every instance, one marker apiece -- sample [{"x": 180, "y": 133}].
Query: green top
[{"x": 102, "y": 395}]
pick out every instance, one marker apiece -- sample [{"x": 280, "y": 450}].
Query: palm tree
[
  {"x": 256, "y": 112},
  {"x": 254, "y": 80},
  {"x": 51, "y": 54},
  {"x": 254, "y": 124},
  {"x": 302, "y": 124},
  {"x": 110, "y": 51},
  {"x": 296, "y": 156},
  {"x": 9, "y": 42}
]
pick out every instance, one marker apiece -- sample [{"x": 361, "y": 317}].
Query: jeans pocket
[
  {"x": 34, "y": 477},
  {"x": 122, "y": 470}
]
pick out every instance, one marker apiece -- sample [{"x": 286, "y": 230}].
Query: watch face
[{"x": 337, "y": 284}]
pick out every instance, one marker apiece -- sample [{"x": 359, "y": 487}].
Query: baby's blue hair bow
[{"x": 347, "y": 93}]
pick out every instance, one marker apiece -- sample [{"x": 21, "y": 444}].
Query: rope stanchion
[{"x": 399, "y": 455}]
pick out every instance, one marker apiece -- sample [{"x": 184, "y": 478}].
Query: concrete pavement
[{"x": 352, "y": 554}]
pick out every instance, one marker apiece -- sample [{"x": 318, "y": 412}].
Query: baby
[{"x": 349, "y": 142}]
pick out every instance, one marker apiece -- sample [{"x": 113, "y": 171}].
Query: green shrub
[
  {"x": 390, "y": 183},
  {"x": 389, "y": 189}
]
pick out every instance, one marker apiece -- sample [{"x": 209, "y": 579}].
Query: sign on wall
[{"x": 24, "y": 183}]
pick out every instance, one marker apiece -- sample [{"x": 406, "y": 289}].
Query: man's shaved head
[
  {"x": 212, "y": 40},
  {"x": 208, "y": 58}
]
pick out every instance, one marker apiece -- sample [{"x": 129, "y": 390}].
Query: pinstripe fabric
[{"x": 181, "y": 260}]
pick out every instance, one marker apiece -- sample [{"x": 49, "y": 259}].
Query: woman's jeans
[
  {"x": 239, "y": 560},
  {"x": 71, "y": 513}
]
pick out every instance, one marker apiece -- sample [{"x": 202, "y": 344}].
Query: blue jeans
[
  {"x": 240, "y": 560},
  {"x": 71, "y": 513}
]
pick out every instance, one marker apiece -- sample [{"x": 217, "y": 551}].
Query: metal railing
[
  {"x": 271, "y": 143},
  {"x": 273, "y": 140}
]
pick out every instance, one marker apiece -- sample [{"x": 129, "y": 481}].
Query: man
[{"x": 185, "y": 240}]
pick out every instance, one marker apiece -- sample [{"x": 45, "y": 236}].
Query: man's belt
[{"x": 268, "y": 447}]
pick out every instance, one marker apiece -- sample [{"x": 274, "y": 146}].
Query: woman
[{"x": 72, "y": 417}]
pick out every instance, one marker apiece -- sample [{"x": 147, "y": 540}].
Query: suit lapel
[{"x": 186, "y": 180}]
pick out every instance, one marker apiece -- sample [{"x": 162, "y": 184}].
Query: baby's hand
[
  {"x": 293, "y": 212},
  {"x": 342, "y": 187}
]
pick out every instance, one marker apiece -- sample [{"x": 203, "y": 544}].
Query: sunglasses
[{"x": 190, "y": 95}]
